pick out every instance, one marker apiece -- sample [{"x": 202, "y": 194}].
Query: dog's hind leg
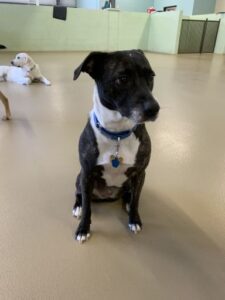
[
  {"x": 44, "y": 80},
  {"x": 77, "y": 208},
  {"x": 24, "y": 81}
]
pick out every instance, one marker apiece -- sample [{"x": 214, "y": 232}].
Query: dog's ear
[
  {"x": 29, "y": 60},
  {"x": 93, "y": 65}
]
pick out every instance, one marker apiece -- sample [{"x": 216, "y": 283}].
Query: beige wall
[{"x": 220, "y": 6}]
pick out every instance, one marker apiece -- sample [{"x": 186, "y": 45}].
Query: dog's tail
[{"x": 2, "y": 47}]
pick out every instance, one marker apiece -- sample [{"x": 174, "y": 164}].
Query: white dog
[{"x": 23, "y": 71}]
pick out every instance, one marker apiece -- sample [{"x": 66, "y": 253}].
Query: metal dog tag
[{"x": 116, "y": 161}]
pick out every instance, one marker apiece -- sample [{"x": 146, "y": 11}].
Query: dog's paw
[
  {"x": 135, "y": 228},
  {"x": 77, "y": 212},
  {"x": 81, "y": 237},
  {"x": 27, "y": 81},
  {"x": 6, "y": 118},
  {"x": 47, "y": 82},
  {"x": 83, "y": 233}
]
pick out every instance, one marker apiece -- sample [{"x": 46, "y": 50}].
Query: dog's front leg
[
  {"x": 83, "y": 230},
  {"x": 6, "y": 104},
  {"x": 135, "y": 223}
]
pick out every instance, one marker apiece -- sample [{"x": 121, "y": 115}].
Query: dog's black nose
[
  {"x": 151, "y": 109},
  {"x": 12, "y": 63}
]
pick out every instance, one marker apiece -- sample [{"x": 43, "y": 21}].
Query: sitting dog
[
  {"x": 6, "y": 105},
  {"x": 24, "y": 71},
  {"x": 114, "y": 148}
]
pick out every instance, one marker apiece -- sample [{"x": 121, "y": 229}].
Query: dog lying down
[
  {"x": 6, "y": 105},
  {"x": 23, "y": 71}
]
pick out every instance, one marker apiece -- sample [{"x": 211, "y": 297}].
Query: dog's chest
[{"x": 127, "y": 152}]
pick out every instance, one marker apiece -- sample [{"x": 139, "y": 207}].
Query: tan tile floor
[{"x": 180, "y": 254}]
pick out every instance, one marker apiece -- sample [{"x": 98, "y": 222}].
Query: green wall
[
  {"x": 31, "y": 28},
  {"x": 213, "y": 17},
  {"x": 164, "y": 32},
  {"x": 129, "y": 34},
  {"x": 26, "y": 27},
  {"x": 220, "y": 43}
]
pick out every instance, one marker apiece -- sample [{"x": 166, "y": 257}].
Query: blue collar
[{"x": 110, "y": 134}]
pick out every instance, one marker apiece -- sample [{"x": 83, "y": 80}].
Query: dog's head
[
  {"x": 22, "y": 60},
  {"x": 125, "y": 81}
]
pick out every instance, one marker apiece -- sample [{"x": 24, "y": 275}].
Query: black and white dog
[{"x": 115, "y": 147}]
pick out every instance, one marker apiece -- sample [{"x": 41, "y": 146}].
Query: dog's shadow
[
  {"x": 20, "y": 124},
  {"x": 171, "y": 246}
]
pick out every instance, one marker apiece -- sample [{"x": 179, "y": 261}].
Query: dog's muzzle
[{"x": 151, "y": 110}]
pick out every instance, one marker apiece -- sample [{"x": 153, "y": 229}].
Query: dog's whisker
[{"x": 165, "y": 107}]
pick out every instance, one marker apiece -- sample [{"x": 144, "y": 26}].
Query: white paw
[
  {"x": 47, "y": 82},
  {"x": 27, "y": 81},
  {"x": 81, "y": 238},
  {"x": 77, "y": 212},
  {"x": 135, "y": 228}
]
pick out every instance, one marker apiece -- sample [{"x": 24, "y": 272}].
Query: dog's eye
[
  {"x": 121, "y": 80},
  {"x": 18, "y": 57}
]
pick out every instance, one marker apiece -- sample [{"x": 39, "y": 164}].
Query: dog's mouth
[
  {"x": 15, "y": 65},
  {"x": 141, "y": 119},
  {"x": 153, "y": 118},
  {"x": 144, "y": 120},
  {"x": 152, "y": 113},
  {"x": 147, "y": 112}
]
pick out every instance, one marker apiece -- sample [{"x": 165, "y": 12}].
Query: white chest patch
[
  {"x": 115, "y": 176},
  {"x": 127, "y": 151},
  {"x": 113, "y": 121}
]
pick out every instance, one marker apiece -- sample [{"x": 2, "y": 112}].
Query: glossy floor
[{"x": 180, "y": 254}]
